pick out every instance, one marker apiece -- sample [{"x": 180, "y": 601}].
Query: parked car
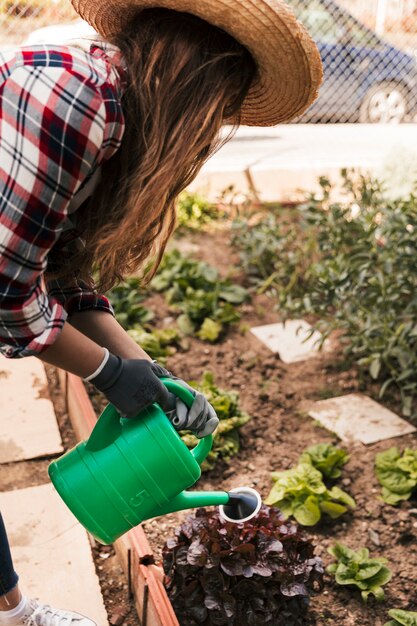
[{"x": 366, "y": 78}]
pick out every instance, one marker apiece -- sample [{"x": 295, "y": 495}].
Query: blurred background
[
  {"x": 369, "y": 53},
  {"x": 368, "y": 47}
]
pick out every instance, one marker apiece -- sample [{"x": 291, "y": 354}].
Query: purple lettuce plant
[{"x": 249, "y": 574}]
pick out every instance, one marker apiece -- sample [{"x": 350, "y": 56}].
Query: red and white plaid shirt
[{"x": 60, "y": 118}]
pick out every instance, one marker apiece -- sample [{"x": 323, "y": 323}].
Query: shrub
[
  {"x": 260, "y": 572},
  {"x": 194, "y": 211},
  {"x": 352, "y": 265}
]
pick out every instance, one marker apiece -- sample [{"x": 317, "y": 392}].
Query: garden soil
[{"x": 277, "y": 397}]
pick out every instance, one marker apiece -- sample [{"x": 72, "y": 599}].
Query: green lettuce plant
[
  {"x": 402, "y": 618},
  {"x": 259, "y": 572},
  {"x": 159, "y": 343},
  {"x": 226, "y": 441},
  {"x": 397, "y": 473},
  {"x": 326, "y": 458},
  {"x": 301, "y": 492},
  {"x": 206, "y": 301},
  {"x": 127, "y": 299},
  {"x": 357, "y": 569}
]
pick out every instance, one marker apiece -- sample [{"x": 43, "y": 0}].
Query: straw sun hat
[{"x": 290, "y": 69}]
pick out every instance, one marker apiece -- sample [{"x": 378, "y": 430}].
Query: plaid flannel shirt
[{"x": 60, "y": 118}]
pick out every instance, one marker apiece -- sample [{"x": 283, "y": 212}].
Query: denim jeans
[{"x": 8, "y": 577}]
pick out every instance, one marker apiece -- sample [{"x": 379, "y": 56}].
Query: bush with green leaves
[
  {"x": 226, "y": 441},
  {"x": 301, "y": 492},
  {"x": 195, "y": 211},
  {"x": 357, "y": 569},
  {"x": 250, "y": 574},
  {"x": 402, "y": 618},
  {"x": 326, "y": 458},
  {"x": 397, "y": 474},
  {"x": 207, "y": 302},
  {"x": 351, "y": 265}
]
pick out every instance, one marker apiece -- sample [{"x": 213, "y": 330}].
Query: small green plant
[
  {"x": 357, "y": 569},
  {"x": 226, "y": 437},
  {"x": 260, "y": 572},
  {"x": 126, "y": 300},
  {"x": 326, "y": 458},
  {"x": 397, "y": 474},
  {"x": 301, "y": 492},
  {"x": 194, "y": 211},
  {"x": 402, "y": 618},
  {"x": 158, "y": 343},
  {"x": 206, "y": 301}
]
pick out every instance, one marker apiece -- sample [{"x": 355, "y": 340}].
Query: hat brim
[{"x": 289, "y": 63}]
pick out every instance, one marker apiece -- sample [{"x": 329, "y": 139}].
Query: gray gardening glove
[
  {"x": 200, "y": 418},
  {"x": 131, "y": 385}
]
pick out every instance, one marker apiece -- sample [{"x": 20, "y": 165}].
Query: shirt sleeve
[
  {"x": 52, "y": 123},
  {"x": 73, "y": 293}
]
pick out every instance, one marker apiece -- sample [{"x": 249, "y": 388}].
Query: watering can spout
[
  {"x": 238, "y": 505},
  {"x": 192, "y": 500}
]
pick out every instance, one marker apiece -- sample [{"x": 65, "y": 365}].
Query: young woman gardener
[{"x": 96, "y": 142}]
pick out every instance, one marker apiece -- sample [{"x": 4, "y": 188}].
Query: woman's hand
[
  {"x": 200, "y": 418},
  {"x": 131, "y": 385}
]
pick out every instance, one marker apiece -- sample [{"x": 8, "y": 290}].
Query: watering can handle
[
  {"x": 109, "y": 427},
  {"x": 204, "y": 446}
]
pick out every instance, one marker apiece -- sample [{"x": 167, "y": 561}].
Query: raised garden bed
[{"x": 276, "y": 396}]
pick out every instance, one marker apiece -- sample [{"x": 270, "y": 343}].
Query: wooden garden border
[{"x": 133, "y": 550}]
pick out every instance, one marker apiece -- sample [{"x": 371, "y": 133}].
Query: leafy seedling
[
  {"x": 158, "y": 343},
  {"x": 402, "y": 618},
  {"x": 397, "y": 474},
  {"x": 206, "y": 302},
  {"x": 357, "y": 569},
  {"x": 301, "y": 492},
  {"x": 126, "y": 300},
  {"x": 326, "y": 458}
]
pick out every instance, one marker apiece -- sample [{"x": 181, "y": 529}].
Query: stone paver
[
  {"x": 28, "y": 427},
  {"x": 51, "y": 551},
  {"x": 289, "y": 340},
  {"x": 355, "y": 417}
]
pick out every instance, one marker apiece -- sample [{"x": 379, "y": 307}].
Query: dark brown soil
[{"x": 277, "y": 396}]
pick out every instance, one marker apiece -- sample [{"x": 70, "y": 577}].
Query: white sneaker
[{"x": 37, "y": 614}]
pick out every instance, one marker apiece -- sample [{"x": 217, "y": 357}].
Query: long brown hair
[{"x": 185, "y": 78}]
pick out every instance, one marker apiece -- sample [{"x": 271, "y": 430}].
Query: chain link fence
[{"x": 368, "y": 47}]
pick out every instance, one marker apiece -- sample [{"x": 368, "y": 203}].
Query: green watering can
[{"x": 130, "y": 470}]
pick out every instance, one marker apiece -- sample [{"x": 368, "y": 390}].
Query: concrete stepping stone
[
  {"x": 51, "y": 552},
  {"x": 356, "y": 417},
  {"x": 28, "y": 427},
  {"x": 289, "y": 340}
]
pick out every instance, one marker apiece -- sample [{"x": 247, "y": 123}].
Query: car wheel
[{"x": 385, "y": 103}]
